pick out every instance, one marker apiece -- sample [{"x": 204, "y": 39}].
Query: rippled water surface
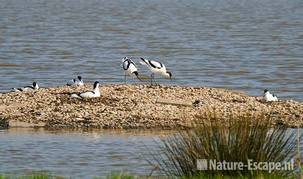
[
  {"x": 247, "y": 45},
  {"x": 239, "y": 44},
  {"x": 77, "y": 154}
]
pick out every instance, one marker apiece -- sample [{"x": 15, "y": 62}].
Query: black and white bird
[
  {"x": 89, "y": 94},
  {"x": 268, "y": 97},
  {"x": 129, "y": 68},
  {"x": 156, "y": 68},
  {"x": 35, "y": 86},
  {"x": 76, "y": 82}
]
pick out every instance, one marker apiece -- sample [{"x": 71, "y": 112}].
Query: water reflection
[{"x": 77, "y": 153}]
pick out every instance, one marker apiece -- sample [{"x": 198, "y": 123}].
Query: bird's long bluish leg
[
  {"x": 151, "y": 79},
  {"x": 154, "y": 80},
  {"x": 124, "y": 78}
]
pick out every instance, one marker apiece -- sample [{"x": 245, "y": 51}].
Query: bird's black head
[
  {"x": 169, "y": 74},
  {"x": 136, "y": 73},
  {"x": 34, "y": 84},
  {"x": 96, "y": 84},
  {"x": 79, "y": 78},
  {"x": 266, "y": 90}
]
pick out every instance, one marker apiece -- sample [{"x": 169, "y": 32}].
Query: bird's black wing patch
[
  {"x": 144, "y": 60},
  {"x": 154, "y": 65}
]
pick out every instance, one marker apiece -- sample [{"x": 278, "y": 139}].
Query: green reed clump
[{"x": 234, "y": 138}]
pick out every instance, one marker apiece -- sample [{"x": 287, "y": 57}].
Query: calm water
[
  {"x": 80, "y": 154},
  {"x": 247, "y": 45},
  {"x": 239, "y": 44},
  {"x": 76, "y": 154}
]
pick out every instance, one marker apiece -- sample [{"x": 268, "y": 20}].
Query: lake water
[
  {"x": 247, "y": 45},
  {"x": 77, "y": 154},
  {"x": 80, "y": 153}
]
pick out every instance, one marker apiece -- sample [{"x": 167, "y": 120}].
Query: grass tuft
[{"x": 236, "y": 138}]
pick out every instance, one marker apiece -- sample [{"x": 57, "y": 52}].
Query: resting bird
[
  {"x": 156, "y": 68},
  {"x": 129, "y": 68},
  {"x": 268, "y": 97},
  {"x": 89, "y": 94},
  {"x": 76, "y": 82},
  {"x": 26, "y": 88}
]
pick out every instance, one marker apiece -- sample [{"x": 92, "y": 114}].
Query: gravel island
[{"x": 135, "y": 106}]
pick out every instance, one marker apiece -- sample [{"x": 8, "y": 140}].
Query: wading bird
[
  {"x": 156, "y": 68},
  {"x": 129, "y": 68}
]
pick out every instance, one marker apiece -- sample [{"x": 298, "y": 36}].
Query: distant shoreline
[{"x": 136, "y": 107}]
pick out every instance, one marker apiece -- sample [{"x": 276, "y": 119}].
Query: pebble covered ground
[{"x": 135, "y": 106}]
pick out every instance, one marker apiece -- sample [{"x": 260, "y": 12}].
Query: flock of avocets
[{"x": 130, "y": 69}]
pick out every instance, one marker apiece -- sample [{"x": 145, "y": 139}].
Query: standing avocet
[
  {"x": 129, "y": 68},
  {"x": 156, "y": 68}
]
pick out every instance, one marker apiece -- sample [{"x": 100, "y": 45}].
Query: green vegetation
[{"x": 232, "y": 139}]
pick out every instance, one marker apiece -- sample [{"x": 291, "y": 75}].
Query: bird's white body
[
  {"x": 79, "y": 83},
  {"x": 35, "y": 86},
  {"x": 129, "y": 66},
  {"x": 156, "y": 67},
  {"x": 89, "y": 94},
  {"x": 268, "y": 97},
  {"x": 71, "y": 82},
  {"x": 75, "y": 82}
]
